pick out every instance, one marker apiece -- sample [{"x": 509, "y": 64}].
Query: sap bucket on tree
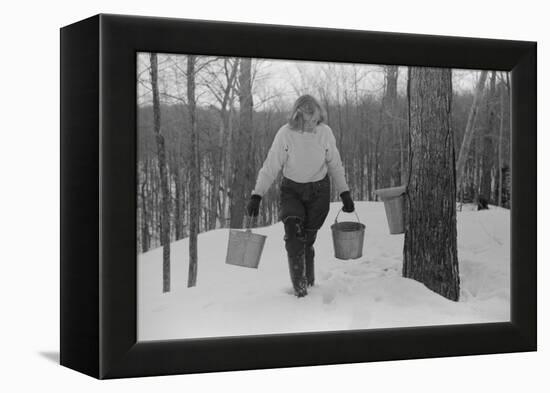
[
  {"x": 244, "y": 248},
  {"x": 394, "y": 203},
  {"x": 348, "y": 237}
]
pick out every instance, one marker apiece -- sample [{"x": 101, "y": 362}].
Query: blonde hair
[{"x": 304, "y": 104}]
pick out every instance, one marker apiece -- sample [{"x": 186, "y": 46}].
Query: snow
[{"x": 365, "y": 293}]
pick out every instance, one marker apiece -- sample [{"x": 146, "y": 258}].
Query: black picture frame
[{"x": 98, "y": 196}]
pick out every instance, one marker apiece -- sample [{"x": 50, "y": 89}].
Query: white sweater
[{"x": 304, "y": 157}]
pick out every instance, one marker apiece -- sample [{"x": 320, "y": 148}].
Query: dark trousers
[{"x": 304, "y": 208}]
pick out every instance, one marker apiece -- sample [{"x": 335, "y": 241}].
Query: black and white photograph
[
  {"x": 279, "y": 196},
  {"x": 234, "y": 196}
]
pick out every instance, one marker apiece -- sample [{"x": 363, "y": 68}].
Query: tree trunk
[
  {"x": 389, "y": 162},
  {"x": 179, "y": 202},
  {"x": 157, "y": 208},
  {"x": 216, "y": 175},
  {"x": 145, "y": 230},
  {"x": 165, "y": 197},
  {"x": 390, "y": 110},
  {"x": 226, "y": 202},
  {"x": 488, "y": 149},
  {"x": 403, "y": 170},
  {"x": 194, "y": 169},
  {"x": 246, "y": 117},
  {"x": 430, "y": 250},
  {"x": 500, "y": 133},
  {"x": 243, "y": 154},
  {"x": 470, "y": 126}
]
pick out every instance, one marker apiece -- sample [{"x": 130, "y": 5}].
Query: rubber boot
[
  {"x": 310, "y": 256},
  {"x": 295, "y": 238},
  {"x": 297, "y": 268}
]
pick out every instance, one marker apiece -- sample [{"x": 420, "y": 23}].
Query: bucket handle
[
  {"x": 356, "y": 215},
  {"x": 249, "y": 222}
]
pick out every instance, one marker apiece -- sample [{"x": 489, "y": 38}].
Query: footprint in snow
[{"x": 387, "y": 271}]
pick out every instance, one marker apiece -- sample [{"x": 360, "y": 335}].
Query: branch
[{"x": 180, "y": 99}]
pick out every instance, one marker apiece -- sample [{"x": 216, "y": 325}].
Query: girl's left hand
[{"x": 253, "y": 207}]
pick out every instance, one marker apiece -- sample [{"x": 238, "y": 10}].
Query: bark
[
  {"x": 155, "y": 207},
  {"x": 488, "y": 149},
  {"x": 179, "y": 203},
  {"x": 500, "y": 134},
  {"x": 430, "y": 249},
  {"x": 470, "y": 126},
  {"x": 194, "y": 171},
  {"x": 163, "y": 174},
  {"x": 217, "y": 171},
  {"x": 145, "y": 230},
  {"x": 242, "y": 173},
  {"x": 390, "y": 166},
  {"x": 226, "y": 202}
]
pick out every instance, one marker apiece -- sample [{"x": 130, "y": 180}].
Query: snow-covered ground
[{"x": 365, "y": 293}]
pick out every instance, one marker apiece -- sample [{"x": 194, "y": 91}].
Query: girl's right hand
[{"x": 349, "y": 206}]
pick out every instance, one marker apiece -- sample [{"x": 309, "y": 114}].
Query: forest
[{"x": 205, "y": 125}]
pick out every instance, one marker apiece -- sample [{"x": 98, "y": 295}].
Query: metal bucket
[
  {"x": 348, "y": 237},
  {"x": 394, "y": 204},
  {"x": 244, "y": 248}
]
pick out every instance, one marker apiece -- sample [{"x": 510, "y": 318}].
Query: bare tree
[
  {"x": 223, "y": 90},
  {"x": 161, "y": 152},
  {"x": 502, "y": 94},
  {"x": 487, "y": 157},
  {"x": 430, "y": 250},
  {"x": 242, "y": 173},
  {"x": 194, "y": 168},
  {"x": 470, "y": 127},
  {"x": 390, "y": 162}
]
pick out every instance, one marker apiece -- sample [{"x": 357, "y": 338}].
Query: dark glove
[
  {"x": 253, "y": 207},
  {"x": 349, "y": 207}
]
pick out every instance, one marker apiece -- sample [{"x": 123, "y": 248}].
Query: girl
[{"x": 305, "y": 149}]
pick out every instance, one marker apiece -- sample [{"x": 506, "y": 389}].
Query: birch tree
[{"x": 470, "y": 127}]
